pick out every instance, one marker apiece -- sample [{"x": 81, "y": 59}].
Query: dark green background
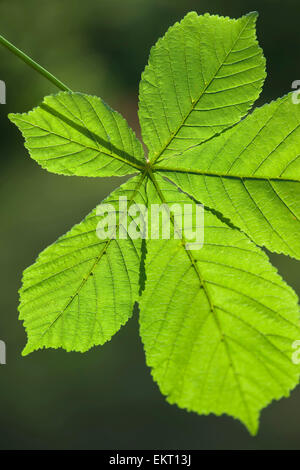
[{"x": 105, "y": 399}]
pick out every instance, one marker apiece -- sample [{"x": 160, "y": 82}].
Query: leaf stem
[{"x": 33, "y": 64}]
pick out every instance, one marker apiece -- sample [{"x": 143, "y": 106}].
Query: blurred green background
[{"x": 105, "y": 399}]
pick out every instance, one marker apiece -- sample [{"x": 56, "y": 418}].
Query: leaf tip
[
  {"x": 252, "y": 15},
  {"x": 29, "y": 348},
  {"x": 11, "y": 117},
  {"x": 253, "y": 427}
]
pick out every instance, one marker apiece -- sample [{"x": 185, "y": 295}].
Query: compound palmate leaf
[{"x": 217, "y": 322}]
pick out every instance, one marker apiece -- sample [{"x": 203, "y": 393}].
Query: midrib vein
[
  {"x": 222, "y": 175},
  {"x": 96, "y": 149}
]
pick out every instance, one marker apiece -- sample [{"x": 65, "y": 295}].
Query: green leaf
[
  {"x": 202, "y": 77},
  {"x": 82, "y": 289},
  {"x": 224, "y": 303},
  {"x": 251, "y": 174},
  {"x": 218, "y": 323},
  {"x": 77, "y": 134}
]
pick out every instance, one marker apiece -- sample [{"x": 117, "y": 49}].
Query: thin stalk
[{"x": 33, "y": 64}]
